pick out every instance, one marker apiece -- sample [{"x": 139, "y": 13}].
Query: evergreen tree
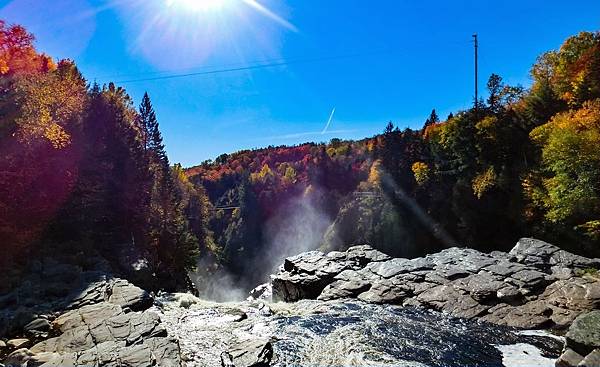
[
  {"x": 432, "y": 119},
  {"x": 173, "y": 247}
]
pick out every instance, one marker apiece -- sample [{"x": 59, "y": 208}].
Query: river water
[{"x": 348, "y": 333}]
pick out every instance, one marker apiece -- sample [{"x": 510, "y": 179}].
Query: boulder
[
  {"x": 347, "y": 284},
  {"x": 18, "y": 343},
  {"x": 543, "y": 255},
  {"x": 591, "y": 360},
  {"x": 569, "y": 358},
  {"x": 38, "y": 325},
  {"x": 18, "y": 357},
  {"x": 248, "y": 353},
  {"x": 584, "y": 334},
  {"x": 263, "y": 292},
  {"x": 126, "y": 295}
]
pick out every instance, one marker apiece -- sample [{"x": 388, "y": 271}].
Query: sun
[{"x": 197, "y": 5}]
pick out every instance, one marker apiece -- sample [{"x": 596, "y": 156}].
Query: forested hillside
[
  {"x": 83, "y": 172},
  {"x": 521, "y": 162}
]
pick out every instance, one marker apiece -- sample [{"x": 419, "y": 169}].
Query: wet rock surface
[{"x": 535, "y": 285}]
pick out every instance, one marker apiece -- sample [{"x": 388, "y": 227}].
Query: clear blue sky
[{"x": 408, "y": 57}]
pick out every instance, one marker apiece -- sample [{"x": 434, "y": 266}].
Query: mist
[{"x": 298, "y": 226}]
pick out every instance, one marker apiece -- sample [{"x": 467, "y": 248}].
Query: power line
[{"x": 253, "y": 67}]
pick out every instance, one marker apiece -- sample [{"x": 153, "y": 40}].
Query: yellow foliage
[
  {"x": 290, "y": 174},
  {"x": 486, "y": 128},
  {"x": 375, "y": 173},
  {"x": 421, "y": 172},
  {"x": 484, "y": 181},
  {"x": 263, "y": 176},
  {"x": 48, "y": 103}
]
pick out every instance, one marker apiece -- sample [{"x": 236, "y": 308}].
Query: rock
[
  {"x": 40, "y": 359},
  {"x": 531, "y": 315},
  {"x": 18, "y": 343},
  {"x": 19, "y": 357},
  {"x": 528, "y": 279},
  {"x": 569, "y": 358},
  {"x": 125, "y": 294},
  {"x": 385, "y": 291},
  {"x": 543, "y": 255},
  {"x": 364, "y": 254},
  {"x": 227, "y": 360},
  {"x": 584, "y": 334},
  {"x": 591, "y": 360},
  {"x": 534, "y": 286},
  {"x": 2, "y": 345},
  {"x": 305, "y": 276},
  {"x": 348, "y": 283},
  {"x": 248, "y": 353},
  {"x": 38, "y": 325},
  {"x": 186, "y": 300},
  {"x": 508, "y": 293},
  {"x": 263, "y": 292},
  {"x": 482, "y": 287}
]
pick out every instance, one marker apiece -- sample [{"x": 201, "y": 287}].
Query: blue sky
[{"x": 373, "y": 61}]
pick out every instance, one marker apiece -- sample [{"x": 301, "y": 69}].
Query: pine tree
[
  {"x": 174, "y": 248},
  {"x": 432, "y": 119}
]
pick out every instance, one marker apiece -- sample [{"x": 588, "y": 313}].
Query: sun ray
[{"x": 270, "y": 14}]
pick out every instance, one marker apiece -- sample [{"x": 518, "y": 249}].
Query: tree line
[
  {"x": 83, "y": 171},
  {"x": 524, "y": 163}
]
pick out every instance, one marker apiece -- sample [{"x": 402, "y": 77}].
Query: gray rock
[
  {"x": 508, "y": 293},
  {"x": 40, "y": 359},
  {"x": 127, "y": 295},
  {"x": 591, "y": 360},
  {"x": 385, "y": 291},
  {"x": 18, "y": 343},
  {"x": 534, "y": 286},
  {"x": 348, "y": 283},
  {"x": 584, "y": 334},
  {"x": 529, "y": 278},
  {"x": 306, "y": 275},
  {"x": 38, "y": 325},
  {"x": 482, "y": 287},
  {"x": 364, "y": 254},
  {"x": 18, "y": 357},
  {"x": 248, "y": 353},
  {"x": 263, "y": 292},
  {"x": 533, "y": 252},
  {"x": 569, "y": 358}
]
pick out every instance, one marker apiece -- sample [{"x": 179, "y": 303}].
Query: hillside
[{"x": 522, "y": 163}]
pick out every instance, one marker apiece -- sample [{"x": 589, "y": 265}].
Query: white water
[{"x": 351, "y": 333}]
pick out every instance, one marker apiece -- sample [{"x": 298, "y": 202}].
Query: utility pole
[{"x": 476, "y": 44}]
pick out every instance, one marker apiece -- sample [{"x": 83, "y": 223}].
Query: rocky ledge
[
  {"x": 534, "y": 286},
  {"x": 63, "y": 315}
]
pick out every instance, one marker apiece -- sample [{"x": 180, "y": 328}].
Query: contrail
[{"x": 328, "y": 121}]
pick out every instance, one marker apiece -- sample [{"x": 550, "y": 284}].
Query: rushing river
[{"x": 351, "y": 333}]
